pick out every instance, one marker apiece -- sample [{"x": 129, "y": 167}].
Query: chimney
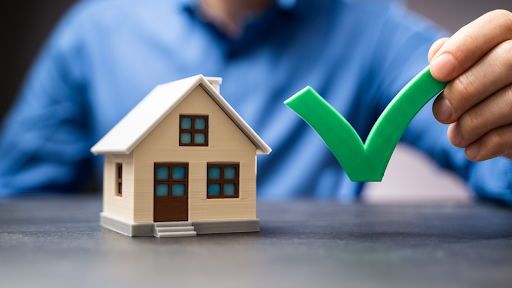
[{"x": 215, "y": 82}]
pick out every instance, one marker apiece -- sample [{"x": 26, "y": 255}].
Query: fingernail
[
  {"x": 444, "y": 66},
  {"x": 442, "y": 109},
  {"x": 454, "y": 134},
  {"x": 472, "y": 150}
]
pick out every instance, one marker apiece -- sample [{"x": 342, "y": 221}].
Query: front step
[
  {"x": 177, "y": 234},
  {"x": 174, "y": 229}
]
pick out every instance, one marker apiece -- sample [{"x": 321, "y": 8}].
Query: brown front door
[{"x": 171, "y": 192}]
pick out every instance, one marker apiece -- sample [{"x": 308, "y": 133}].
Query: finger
[
  {"x": 493, "y": 112},
  {"x": 495, "y": 143},
  {"x": 435, "y": 47},
  {"x": 475, "y": 84},
  {"x": 470, "y": 43}
]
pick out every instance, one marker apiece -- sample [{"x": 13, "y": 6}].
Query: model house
[{"x": 181, "y": 162}]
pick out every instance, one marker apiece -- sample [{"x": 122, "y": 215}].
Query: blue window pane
[
  {"x": 186, "y": 138},
  {"x": 178, "y": 189},
  {"x": 214, "y": 173},
  {"x": 199, "y": 138},
  {"x": 162, "y": 173},
  {"x": 178, "y": 173},
  {"x": 214, "y": 189},
  {"x": 229, "y": 189},
  {"x": 120, "y": 188},
  {"x": 162, "y": 189},
  {"x": 186, "y": 123},
  {"x": 229, "y": 173},
  {"x": 200, "y": 123}
]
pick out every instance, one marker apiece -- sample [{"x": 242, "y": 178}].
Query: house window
[
  {"x": 119, "y": 179},
  {"x": 223, "y": 181},
  {"x": 193, "y": 130},
  {"x": 171, "y": 179}
]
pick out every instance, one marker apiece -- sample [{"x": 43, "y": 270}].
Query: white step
[
  {"x": 173, "y": 224},
  {"x": 177, "y": 234},
  {"x": 174, "y": 229}
]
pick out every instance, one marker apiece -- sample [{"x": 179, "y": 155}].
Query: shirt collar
[{"x": 289, "y": 6}]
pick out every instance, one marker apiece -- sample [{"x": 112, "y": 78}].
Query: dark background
[{"x": 26, "y": 24}]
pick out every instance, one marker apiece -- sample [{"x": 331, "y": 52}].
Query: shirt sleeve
[
  {"x": 406, "y": 56},
  {"x": 44, "y": 140}
]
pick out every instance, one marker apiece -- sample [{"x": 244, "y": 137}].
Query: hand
[{"x": 478, "y": 100}]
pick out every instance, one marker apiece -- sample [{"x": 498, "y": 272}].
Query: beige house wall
[
  {"x": 227, "y": 144},
  {"x": 121, "y": 207}
]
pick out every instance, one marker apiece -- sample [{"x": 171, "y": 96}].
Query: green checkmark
[{"x": 368, "y": 161}]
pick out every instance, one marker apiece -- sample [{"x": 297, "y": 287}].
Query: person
[{"x": 105, "y": 56}]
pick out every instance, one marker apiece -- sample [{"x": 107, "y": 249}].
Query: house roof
[{"x": 146, "y": 115}]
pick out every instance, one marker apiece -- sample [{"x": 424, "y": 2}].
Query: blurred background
[{"x": 410, "y": 178}]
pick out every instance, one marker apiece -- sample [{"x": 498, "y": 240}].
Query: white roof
[{"x": 144, "y": 117}]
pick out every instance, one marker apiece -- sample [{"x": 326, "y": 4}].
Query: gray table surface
[{"x": 56, "y": 241}]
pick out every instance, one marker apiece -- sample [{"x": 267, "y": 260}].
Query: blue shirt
[{"x": 105, "y": 56}]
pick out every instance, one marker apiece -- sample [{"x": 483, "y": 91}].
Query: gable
[
  {"x": 223, "y": 134},
  {"x": 146, "y": 115}
]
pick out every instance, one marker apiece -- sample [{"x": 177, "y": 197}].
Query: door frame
[{"x": 170, "y": 208}]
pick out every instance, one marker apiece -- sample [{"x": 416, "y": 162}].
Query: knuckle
[
  {"x": 505, "y": 17},
  {"x": 502, "y": 16},
  {"x": 506, "y": 100},
  {"x": 491, "y": 145},
  {"x": 503, "y": 53},
  {"x": 501, "y": 13},
  {"x": 470, "y": 123},
  {"x": 463, "y": 89},
  {"x": 464, "y": 36},
  {"x": 499, "y": 140},
  {"x": 496, "y": 143}
]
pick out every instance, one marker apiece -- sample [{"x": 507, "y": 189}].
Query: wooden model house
[{"x": 181, "y": 162}]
